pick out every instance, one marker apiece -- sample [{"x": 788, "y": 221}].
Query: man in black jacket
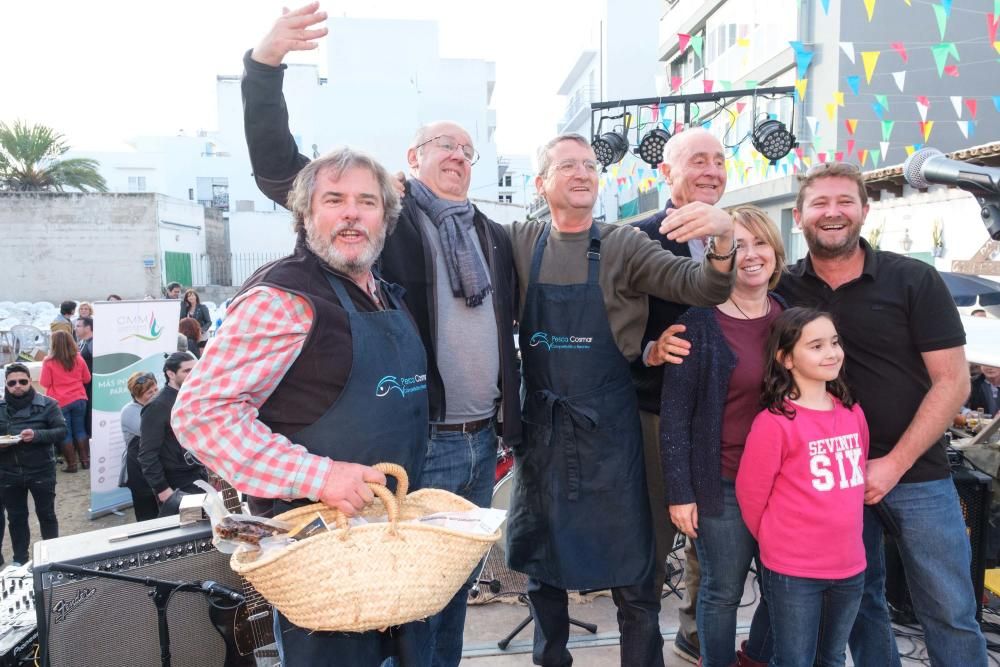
[
  {"x": 166, "y": 465},
  {"x": 30, "y": 463},
  {"x": 696, "y": 174},
  {"x": 456, "y": 267},
  {"x": 984, "y": 390}
]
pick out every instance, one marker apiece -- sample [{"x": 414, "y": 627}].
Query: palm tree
[{"x": 29, "y": 161}]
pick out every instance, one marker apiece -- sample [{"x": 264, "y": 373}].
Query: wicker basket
[{"x": 374, "y": 576}]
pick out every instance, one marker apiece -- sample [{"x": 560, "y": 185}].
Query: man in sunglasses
[
  {"x": 28, "y": 464},
  {"x": 455, "y": 266}
]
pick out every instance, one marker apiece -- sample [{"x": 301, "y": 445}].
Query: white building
[{"x": 372, "y": 103}]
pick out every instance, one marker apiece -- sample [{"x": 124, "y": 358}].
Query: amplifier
[
  {"x": 87, "y": 620},
  {"x": 974, "y": 494}
]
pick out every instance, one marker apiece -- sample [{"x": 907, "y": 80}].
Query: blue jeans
[
  {"x": 811, "y": 618},
  {"x": 465, "y": 464},
  {"x": 725, "y": 550},
  {"x": 75, "y": 415},
  {"x": 936, "y": 557}
]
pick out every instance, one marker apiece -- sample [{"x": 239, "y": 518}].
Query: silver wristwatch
[{"x": 711, "y": 254}]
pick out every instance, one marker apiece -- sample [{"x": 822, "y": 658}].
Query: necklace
[{"x": 767, "y": 308}]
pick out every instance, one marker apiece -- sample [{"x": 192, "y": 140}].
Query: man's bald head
[
  {"x": 695, "y": 164},
  {"x": 446, "y": 173}
]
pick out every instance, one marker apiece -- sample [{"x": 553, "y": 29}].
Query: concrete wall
[{"x": 78, "y": 246}]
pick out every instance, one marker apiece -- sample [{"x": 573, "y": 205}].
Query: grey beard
[{"x": 325, "y": 250}]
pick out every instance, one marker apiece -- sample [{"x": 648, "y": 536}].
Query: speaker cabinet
[
  {"x": 974, "y": 494},
  {"x": 87, "y": 620}
]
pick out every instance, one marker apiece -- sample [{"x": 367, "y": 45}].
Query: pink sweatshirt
[
  {"x": 801, "y": 489},
  {"x": 65, "y": 386}
]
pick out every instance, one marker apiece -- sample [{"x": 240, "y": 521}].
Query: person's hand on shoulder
[
  {"x": 346, "y": 486},
  {"x": 290, "y": 33}
]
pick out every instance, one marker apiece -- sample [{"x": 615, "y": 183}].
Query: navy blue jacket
[
  {"x": 691, "y": 414},
  {"x": 981, "y": 396},
  {"x": 649, "y": 381}
]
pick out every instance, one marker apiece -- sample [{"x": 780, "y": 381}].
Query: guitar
[{"x": 248, "y": 629}]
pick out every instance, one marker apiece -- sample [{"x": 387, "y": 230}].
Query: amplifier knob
[{"x": 190, "y": 547}]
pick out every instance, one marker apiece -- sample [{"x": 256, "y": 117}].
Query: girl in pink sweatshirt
[{"x": 801, "y": 487}]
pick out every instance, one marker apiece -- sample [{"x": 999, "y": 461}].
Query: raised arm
[{"x": 274, "y": 156}]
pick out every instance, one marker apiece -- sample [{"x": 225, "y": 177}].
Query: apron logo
[
  {"x": 560, "y": 342},
  {"x": 404, "y": 386}
]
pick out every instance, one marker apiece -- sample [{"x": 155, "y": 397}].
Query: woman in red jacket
[{"x": 64, "y": 375}]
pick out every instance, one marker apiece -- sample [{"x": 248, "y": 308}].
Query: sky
[{"x": 102, "y": 71}]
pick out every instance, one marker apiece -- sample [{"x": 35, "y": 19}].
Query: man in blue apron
[
  {"x": 316, "y": 374},
  {"x": 579, "y": 516}
]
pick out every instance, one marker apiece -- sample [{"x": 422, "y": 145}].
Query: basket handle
[
  {"x": 391, "y": 508},
  {"x": 402, "y": 479}
]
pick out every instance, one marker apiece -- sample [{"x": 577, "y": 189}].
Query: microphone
[
  {"x": 222, "y": 591},
  {"x": 929, "y": 165}
]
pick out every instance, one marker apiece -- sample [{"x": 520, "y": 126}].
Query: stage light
[
  {"x": 610, "y": 148},
  {"x": 773, "y": 140},
  {"x": 652, "y": 145}
]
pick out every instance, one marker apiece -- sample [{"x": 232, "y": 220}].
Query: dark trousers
[
  {"x": 14, "y": 489},
  {"x": 638, "y": 622},
  {"x": 144, "y": 501},
  {"x": 409, "y": 645}
]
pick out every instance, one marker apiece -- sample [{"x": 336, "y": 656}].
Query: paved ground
[{"x": 486, "y": 624}]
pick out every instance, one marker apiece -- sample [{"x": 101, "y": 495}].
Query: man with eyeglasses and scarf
[
  {"x": 456, "y": 268},
  {"x": 28, "y": 463}
]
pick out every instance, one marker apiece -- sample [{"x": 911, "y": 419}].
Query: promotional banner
[{"x": 129, "y": 336}]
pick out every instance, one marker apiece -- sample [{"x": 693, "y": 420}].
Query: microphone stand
[
  {"x": 990, "y": 212},
  {"x": 161, "y": 590}
]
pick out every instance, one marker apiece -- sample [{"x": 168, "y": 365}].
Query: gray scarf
[{"x": 454, "y": 222}]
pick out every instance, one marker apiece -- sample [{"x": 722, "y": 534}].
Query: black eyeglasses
[
  {"x": 14, "y": 383},
  {"x": 449, "y": 144}
]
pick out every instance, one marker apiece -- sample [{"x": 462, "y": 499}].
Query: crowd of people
[{"x": 674, "y": 375}]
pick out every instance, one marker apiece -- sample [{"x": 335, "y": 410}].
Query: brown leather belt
[{"x": 467, "y": 427}]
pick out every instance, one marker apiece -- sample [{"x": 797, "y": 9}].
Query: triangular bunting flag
[
  {"x": 848, "y": 49},
  {"x": 800, "y": 88},
  {"x": 870, "y": 58},
  {"x": 826, "y": 6},
  {"x": 725, "y": 85},
  {"x": 946, "y": 5},
  {"x": 996, "y": 102},
  {"x": 963, "y": 127},
  {"x": 879, "y": 110},
  {"x": 854, "y": 82},
  {"x": 863, "y": 156},
  {"x": 875, "y": 157},
  {"x": 708, "y": 83},
  {"x": 942, "y": 19},
  {"x": 971, "y": 105},
  {"x": 883, "y": 101},
  {"x": 682, "y": 41},
  {"x": 870, "y": 8},
  {"x": 696, "y": 43},
  {"x": 839, "y": 156},
  {"x": 900, "y": 78},
  {"x": 803, "y": 56},
  {"x": 742, "y": 42},
  {"x": 951, "y": 70},
  {"x": 850, "y": 146},
  {"x": 821, "y": 157},
  {"x": 740, "y": 106},
  {"x": 838, "y": 98},
  {"x": 656, "y": 113},
  {"x": 884, "y": 145},
  {"x": 909, "y": 150},
  {"x": 852, "y": 125},
  {"x": 901, "y": 50},
  {"x": 992, "y": 22},
  {"x": 941, "y": 52},
  {"x": 751, "y": 83},
  {"x": 675, "y": 83},
  {"x": 922, "y": 106},
  {"x": 887, "y": 129},
  {"x": 813, "y": 125},
  {"x": 831, "y": 111},
  {"x": 925, "y": 129},
  {"x": 956, "y": 103}
]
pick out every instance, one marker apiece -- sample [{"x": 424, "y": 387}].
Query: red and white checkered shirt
[{"x": 216, "y": 411}]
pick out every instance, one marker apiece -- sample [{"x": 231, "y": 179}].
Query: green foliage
[{"x": 29, "y": 161}]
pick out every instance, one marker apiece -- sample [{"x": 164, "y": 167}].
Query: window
[
  {"x": 506, "y": 199},
  {"x": 191, "y": 194},
  {"x": 506, "y": 181},
  {"x": 136, "y": 183}
]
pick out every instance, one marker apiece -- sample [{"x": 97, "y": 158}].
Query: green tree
[{"x": 29, "y": 161}]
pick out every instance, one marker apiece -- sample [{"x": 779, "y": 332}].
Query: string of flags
[{"x": 890, "y": 59}]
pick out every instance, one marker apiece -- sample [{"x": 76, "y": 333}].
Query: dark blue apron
[
  {"x": 381, "y": 415},
  {"x": 579, "y": 513}
]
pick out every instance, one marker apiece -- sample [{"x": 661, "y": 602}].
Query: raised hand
[
  {"x": 696, "y": 220},
  {"x": 290, "y": 33}
]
